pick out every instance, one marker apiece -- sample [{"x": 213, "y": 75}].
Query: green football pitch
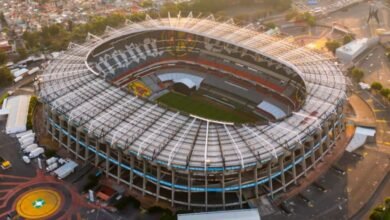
[{"x": 203, "y": 107}]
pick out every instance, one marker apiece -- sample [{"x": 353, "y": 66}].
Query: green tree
[
  {"x": 57, "y": 37},
  {"x": 309, "y": 18},
  {"x": 146, "y": 3},
  {"x": 382, "y": 211},
  {"x": 31, "y": 109},
  {"x": 3, "y": 21},
  {"x": 376, "y": 86},
  {"x": 127, "y": 200},
  {"x": 347, "y": 38},
  {"x": 291, "y": 14},
  {"x": 50, "y": 152},
  {"x": 6, "y": 76},
  {"x": 3, "y": 58},
  {"x": 22, "y": 53},
  {"x": 31, "y": 40},
  {"x": 270, "y": 25},
  {"x": 332, "y": 45},
  {"x": 357, "y": 74},
  {"x": 165, "y": 214},
  {"x": 385, "y": 92}
]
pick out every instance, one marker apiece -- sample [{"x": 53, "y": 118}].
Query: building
[
  {"x": 5, "y": 47},
  {"x": 182, "y": 159},
  {"x": 349, "y": 52}
]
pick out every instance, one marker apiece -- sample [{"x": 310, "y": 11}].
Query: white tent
[
  {"x": 18, "y": 110},
  {"x": 187, "y": 79},
  {"x": 360, "y": 138}
]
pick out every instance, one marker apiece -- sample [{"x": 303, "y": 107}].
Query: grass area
[
  {"x": 200, "y": 106},
  {"x": 3, "y": 97}
]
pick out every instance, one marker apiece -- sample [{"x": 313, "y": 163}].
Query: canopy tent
[
  {"x": 18, "y": 111},
  {"x": 360, "y": 138}
]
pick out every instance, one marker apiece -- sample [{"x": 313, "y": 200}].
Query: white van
[
  {"x": 36, "y": 152},
  {"x": 30, "y": 148}
]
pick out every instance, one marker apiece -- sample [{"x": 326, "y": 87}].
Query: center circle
[{"x": 38, "y": 204}]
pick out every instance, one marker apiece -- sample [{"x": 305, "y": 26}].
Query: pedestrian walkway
[
  {"x": 363, "y": 112},
  {"x": 38, "y": 204},
  {"x": 40, "y": 197}
]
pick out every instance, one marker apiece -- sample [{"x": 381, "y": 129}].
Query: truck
[
  {"x": 19, "y": 135},
  {"x": 62, "y": 161},
  {"x": 66, "y": 169},
  {"x": 26, "y": 146},
  {"x": 33, "y": 70},
  {"x": 24, "y": 137},
  {"x": 36, "y": 152},
  {"x": 27, "y": 141},
  {"x": 17, "y": 79},
  {"x": 52, "y": 167},
  {"x": 30, "y": 148},
  {"x": 51, "y": 160}
]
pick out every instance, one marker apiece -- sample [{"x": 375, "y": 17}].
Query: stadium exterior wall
[{"x": 198, "y": 191}]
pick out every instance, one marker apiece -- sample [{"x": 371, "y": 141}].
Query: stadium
[{"x": 195, "y": 112}]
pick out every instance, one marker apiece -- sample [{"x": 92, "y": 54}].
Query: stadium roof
[
  {"x": 170, "y": 138},
  {"x": 244, "y": 214}
]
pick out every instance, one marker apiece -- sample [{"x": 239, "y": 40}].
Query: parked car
[
  {"x": 6, "y": 165},
  {"x": 26, "y": 159}
]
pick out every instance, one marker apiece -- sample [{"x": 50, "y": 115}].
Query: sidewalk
[
  {"x": 320, "y": 169},
  {"x": 363, "y": 113}
]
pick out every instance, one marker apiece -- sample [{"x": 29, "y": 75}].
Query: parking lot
[
  {"x": 342, "y": 191},
  {"x": 325, "y": 199},
  {"x": 8, "y": 152}
]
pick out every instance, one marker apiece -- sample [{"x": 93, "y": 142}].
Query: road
[
  {"x": 381, "y": 111},
  {"x": 371, "y": 202}
]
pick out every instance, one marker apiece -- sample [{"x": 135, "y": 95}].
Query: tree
[
  {"x": 381, "y": 212},
  {"x": 347, "y": 38},
  {"x": 385, "y": 92},
  {"x": 270, "y": 25},
  {"x": 50, "y": 153},
  {"x": 3, "y": 58},
  {"x": 127, "y": 200},
  {"x": 31, "y": 109},
  {"x": 147, "y": 3},
  {"x": 22, "y": 53},
  {"x": 6, "y": 76},
  {"x": 309, "y": 18},
  {"x": 165, "y": 214},
  {"x": 357, "y": 74},
  {"x": 332, "y": 45},
  {"x": 376, "y": 86},
  {"x": 3, "y": 21},
  {"x": 291, "y": 14}
]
